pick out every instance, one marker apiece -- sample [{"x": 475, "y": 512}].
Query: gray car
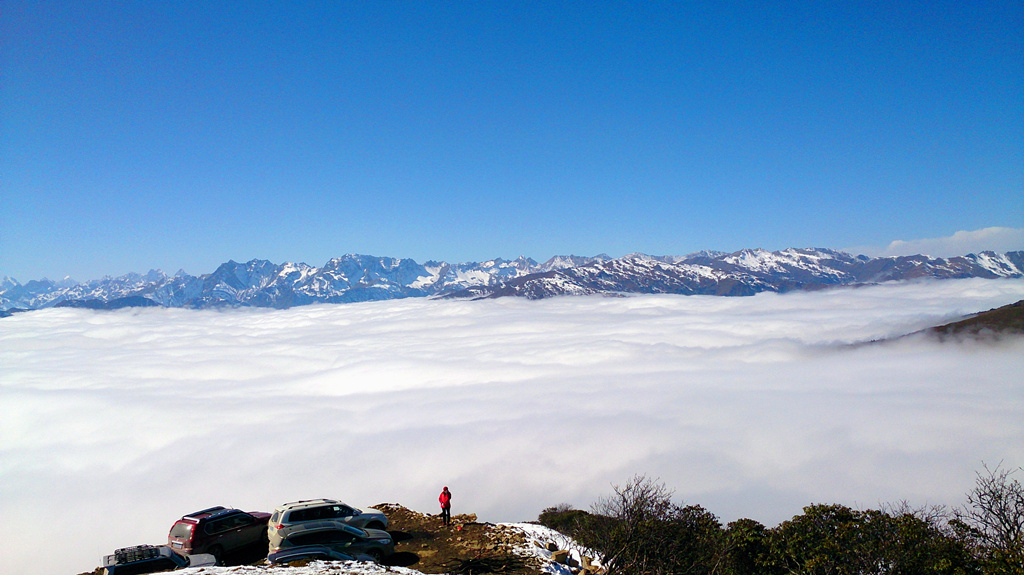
[
  {"x": 339, "y": 537},
  {"x": 312, "y": 553},
  {"x": 290, "y": 515}
]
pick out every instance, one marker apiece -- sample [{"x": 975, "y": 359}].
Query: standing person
[{"x": 446, "y": 505}]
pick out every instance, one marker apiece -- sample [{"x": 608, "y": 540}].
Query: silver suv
[{"x": 289, "y": 515}]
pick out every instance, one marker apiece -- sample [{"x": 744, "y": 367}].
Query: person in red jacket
[{"x": 446, "y": 505}]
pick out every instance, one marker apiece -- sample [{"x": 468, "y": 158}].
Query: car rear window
[
  {"x": 181, "y": 530},
  {"x": 304, "y": 514}
]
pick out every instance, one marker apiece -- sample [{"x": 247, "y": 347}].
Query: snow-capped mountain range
[{"x": 353, "y": 278}]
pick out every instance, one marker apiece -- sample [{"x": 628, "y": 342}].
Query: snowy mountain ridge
[
  {"x": 356, "y": 277},
  {"x": 261, "y": 283},
  {"x": 746, "y": 272}
]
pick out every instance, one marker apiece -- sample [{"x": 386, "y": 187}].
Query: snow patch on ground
[
  {"x": 537, "y": 538},
  {"x": 314, "y": 568}
]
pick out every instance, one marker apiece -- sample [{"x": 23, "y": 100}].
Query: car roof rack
[
  {"x": 305, "y": 501},
  {"x": 135, "y": 553},
  {"x": 211, "y": 510}
]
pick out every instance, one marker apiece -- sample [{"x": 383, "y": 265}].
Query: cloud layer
[
  {"x": 996, "y": 239},
  {"x": 114, "y": 424}
]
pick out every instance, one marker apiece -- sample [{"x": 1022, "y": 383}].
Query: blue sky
[{"x": 140, "y": 135}]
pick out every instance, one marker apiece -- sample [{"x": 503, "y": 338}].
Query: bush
[
  {"x": 837, "y": 540},
  {"x": 562, "y": 518},
  {"x": 747, "y": 548},
  {"x": 992, "y": 521},
  {"x": 639, "y": 530}
]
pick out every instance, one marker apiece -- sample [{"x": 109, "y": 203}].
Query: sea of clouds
[{"x": 114, "y": 424}]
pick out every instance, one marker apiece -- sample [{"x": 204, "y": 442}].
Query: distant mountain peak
[{"x": 356, "y": 277}]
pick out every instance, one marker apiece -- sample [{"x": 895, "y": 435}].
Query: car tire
[
  {"x": 376, "y": 554},
  {"x": 375, "y": 525},
  {"x": 218, "y": 553}
]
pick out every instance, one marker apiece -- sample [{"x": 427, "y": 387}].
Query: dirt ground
[{"x": 467, "y": 547}]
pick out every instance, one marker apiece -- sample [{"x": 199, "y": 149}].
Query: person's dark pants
[{"x": 446, "y": 515}]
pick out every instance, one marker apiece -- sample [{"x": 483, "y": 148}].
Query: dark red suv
[{"x": 218, "y": 531}]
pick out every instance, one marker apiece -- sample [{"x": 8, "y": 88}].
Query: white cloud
[
  {"x": 996, "y": 239},
  {"x": 115, "y": 424}
]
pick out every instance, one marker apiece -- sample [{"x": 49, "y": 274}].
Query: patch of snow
[
  {"x": 473, "y": 277},
  {"x": 313, "y": 568},
  {"x": 422, "y": 282},
  {"x": 537, "y": 538},
  {"x": 998, "y": 264}
]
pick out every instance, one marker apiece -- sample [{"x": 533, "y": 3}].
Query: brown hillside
[
  {"x": 423, "y": 543},
  {"x": 994, "y": 323}
]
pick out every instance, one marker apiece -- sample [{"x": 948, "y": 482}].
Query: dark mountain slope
[{"x": 994, "y": 323}]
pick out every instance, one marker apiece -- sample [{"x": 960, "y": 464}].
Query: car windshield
[{"x": 181, "y": 530}]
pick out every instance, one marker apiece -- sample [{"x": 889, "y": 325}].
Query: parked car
[
  {"x": 151, "y": 559},
  {"x": 296, "y": 513},
  {"x": 312, "y": 553},
  {"x": 339, "y": 537},
  {"x": 218, "y": 531}
]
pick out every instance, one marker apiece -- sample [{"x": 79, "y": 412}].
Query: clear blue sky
[{"x": 140, "y": 135}]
